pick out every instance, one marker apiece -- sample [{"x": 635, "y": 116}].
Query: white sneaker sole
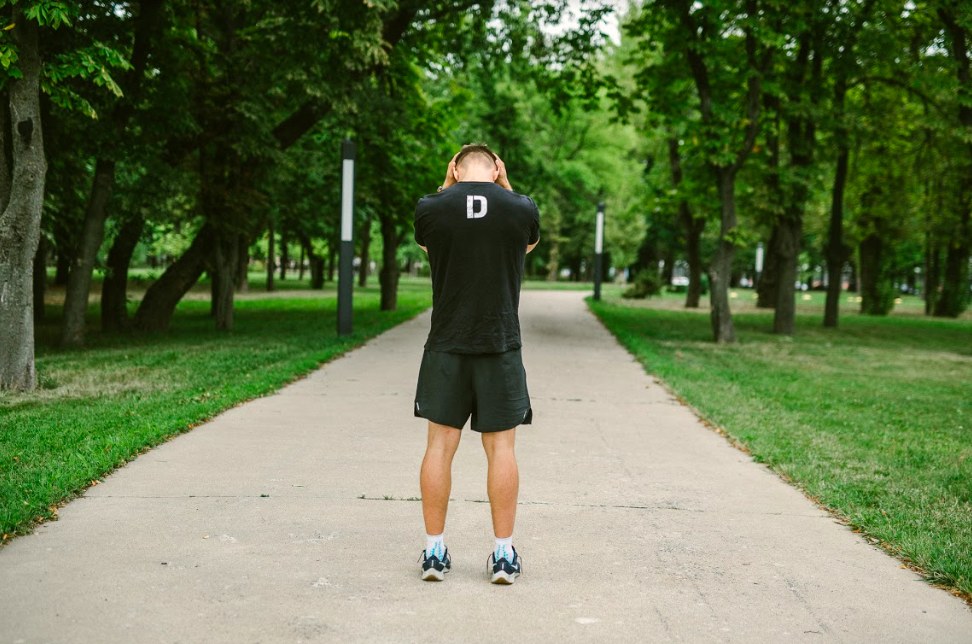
[
  {"x": 433, "y": 575},
  {"x": 503, "y": 578}
]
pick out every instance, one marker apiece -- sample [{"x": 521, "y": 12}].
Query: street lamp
[{"x": 598, "y": 249}]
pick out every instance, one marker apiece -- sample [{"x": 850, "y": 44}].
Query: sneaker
[
  {"x": 503, "y": 571},
  {"x": 433, "y": 568}
]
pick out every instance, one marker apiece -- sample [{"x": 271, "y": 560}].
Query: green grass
[
  {"x": 873, "y": 420},
  {"x": 99, "y": 407}
]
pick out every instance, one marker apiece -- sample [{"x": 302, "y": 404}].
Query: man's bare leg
[
  {"x": 502, "y": 480},
  {"x": 436, "y": 475}
]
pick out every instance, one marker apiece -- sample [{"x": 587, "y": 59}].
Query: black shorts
[{"x": 491, "y": 387}]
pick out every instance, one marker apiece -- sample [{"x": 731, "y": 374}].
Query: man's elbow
[{"x": 530, "y": 247}]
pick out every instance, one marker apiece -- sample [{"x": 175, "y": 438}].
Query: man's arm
[
  {"x": 502, "y": 180},
  {"x": 532, "y": 246},
  {"x": 450, "y": 178}
]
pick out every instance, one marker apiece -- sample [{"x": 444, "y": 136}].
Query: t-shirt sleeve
[
  {"x": 534, "y": 223},
  {"x": 420, "y": 223}
]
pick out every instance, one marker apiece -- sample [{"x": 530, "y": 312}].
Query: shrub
[{"x": 646, "y": 283}]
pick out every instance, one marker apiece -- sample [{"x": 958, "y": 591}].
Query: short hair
[{"x": 479, "y": 150}]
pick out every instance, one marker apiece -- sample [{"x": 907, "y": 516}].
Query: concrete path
[{"x": 294, "y": 519}]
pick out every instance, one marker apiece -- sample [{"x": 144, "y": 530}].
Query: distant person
[{"x": 477, "y": 232}]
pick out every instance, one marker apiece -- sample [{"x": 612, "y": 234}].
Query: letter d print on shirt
[{"x": 471, "y": 212}]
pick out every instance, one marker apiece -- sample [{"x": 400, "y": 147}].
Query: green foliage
[
  {"x": 50, "y": 13},
  {"x": 645, "y": 284},
  {"x": 76, "y": 54}
]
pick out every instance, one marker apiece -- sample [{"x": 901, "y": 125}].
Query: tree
[
  {"x": 23, "y": 196},
  {"x": 109, "y": 131},
  {"x": 727, "y": 72},
  {"x": 957, "y": 20}
]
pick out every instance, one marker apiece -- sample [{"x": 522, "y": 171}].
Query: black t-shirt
[{"x": 476, "y": 234}]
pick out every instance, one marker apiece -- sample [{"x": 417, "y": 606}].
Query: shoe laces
[{"x": 517, "y": 560}]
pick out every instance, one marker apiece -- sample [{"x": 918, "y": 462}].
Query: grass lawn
[
  {"x": 873, "y": 420},
  {"x": 99, "y": 407}
]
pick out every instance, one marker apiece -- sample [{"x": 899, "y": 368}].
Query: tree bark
[
  {"x": 693, "y": 254},
  {"x": 241, "y": 281},
  {"x": 62, "y": 264},
  {"x": 6, "y": 169},
  {"x": 790, "y": 230},
  {"x": 954, "y": 297},
  {"x": 156, "y": 309},
  {"x": 365, "y": 257},
  {"x": 20, "y": 219},
  {"x": 933, "y": 262},
  {"x": 224, "y": 271},
  {"x": 40, "y": 278},
  {"x": 766, "y": 290},
  {"x": 720, "y": 270},
  {"x": 316, "y": 263},
  {"x": 769, "y": 278},
  {"x": 693, "y": 231},
  {"x": 837, "y": 251},
  {"x": 79, "y": 277},
  {"x": 271, "y": 247},
  {"x": 284, "y": 255},
  {"x": 389, "y": 274},
  {"x": 114, "y": 290},
  {"x": 877, "y": 296}
]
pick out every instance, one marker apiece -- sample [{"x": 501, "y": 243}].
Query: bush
[{"x": 646, "y": 283}]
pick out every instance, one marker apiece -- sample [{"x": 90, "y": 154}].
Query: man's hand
[
  {"x": 450, "y": 178},
  {"x": 502, "y": 180}
]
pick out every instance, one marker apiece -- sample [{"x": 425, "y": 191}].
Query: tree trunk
[
  {"x": 316, "y": 263},
  {"x": 62, "y": 264},
  {"x": 790, "y": 232},
  {"x": 241, "y": 281},
  {"x": 766, "y": 289},
  {"x": 285, "y": 256},
  {"x": 114, "y": 290},
  {"x": 316, "y": 270},
  {"x": 693, "y": 231},
  {"x": 331, "y": 263},
  {"x": 79, "y": 278},
  {"x": 720, "y": 270},
  {"x": 300, "y": 266},
  {"x": 933, "y": 273},
  {"x": 6, "y": 170},
  {"x": 954, "y": 297},
  {"x": 40, "y": 278},
  {"x": 20, "y": 219},
  {"x": 225, "y": 262},
  {"x": 271, "y": 246},
  {"x": 158, "y": 305},
  {"x": 837, "y": 251},
  {"x": 388, "y": 276},
  {"x": 801, "y": 138},
  {"x": 877, "y": 294},
  {"x": 365, "y": 257}
]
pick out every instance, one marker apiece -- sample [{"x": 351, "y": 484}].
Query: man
[{"x": 477, "y": 232}]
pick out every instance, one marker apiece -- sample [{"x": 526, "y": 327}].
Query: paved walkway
[{"x": 293, "y": 519}]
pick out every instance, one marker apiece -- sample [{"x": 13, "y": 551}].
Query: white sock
[
  {"x": 504, "y": 549},
  {"x": 434, "y": 546}
]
